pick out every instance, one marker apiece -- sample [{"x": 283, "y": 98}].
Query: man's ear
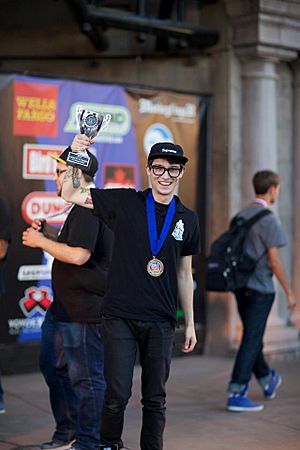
[{"x": 271, "y": 190}]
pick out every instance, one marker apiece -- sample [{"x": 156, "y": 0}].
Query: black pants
[
  {"x": 254, "y": 308},
  {"x": 155, "y": 343}
]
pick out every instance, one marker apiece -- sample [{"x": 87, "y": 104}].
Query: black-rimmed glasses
[{"x": 173, "y": 172}]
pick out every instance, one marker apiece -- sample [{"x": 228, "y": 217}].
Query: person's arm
[
  {"x": 63, "y": 252},
  {"x": 280, "y": 273},
  {"x": 48, "y": 231},
  {"x": 186, "y": 291},
  {"x": 3, "y": 248},
  {"x": 81, "y": 195}
]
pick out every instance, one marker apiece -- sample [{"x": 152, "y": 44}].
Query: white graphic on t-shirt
[{"x": 178, "y": 231}]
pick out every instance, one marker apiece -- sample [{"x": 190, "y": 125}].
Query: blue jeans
[
  {"x": 155, "y": 343},
  {"x": 71, "y": 360},
  {"x": 254, "y": 309}
]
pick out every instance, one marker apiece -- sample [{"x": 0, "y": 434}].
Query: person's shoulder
[
  {"x": 81, "y": 212},
  {"x": 114, "y": 192},
  {"x": 270, "y": 219},
  {"x": 184, "y": 209},
  {"x": 189, "y": 216}
]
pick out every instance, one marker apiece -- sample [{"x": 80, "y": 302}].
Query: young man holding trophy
[
  {"x": 155, "y": 236},
  {"x": 71, "y": 355}
]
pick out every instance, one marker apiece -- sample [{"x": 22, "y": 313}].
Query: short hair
[
  {"x": 263, "y": 180},
  {"x": 87, "y": 178},
  {"x": 170, "y": 160}
]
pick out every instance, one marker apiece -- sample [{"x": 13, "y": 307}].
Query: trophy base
[{"x": 79, "y": 160}]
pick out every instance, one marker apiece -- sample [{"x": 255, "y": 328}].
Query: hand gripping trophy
[{"x": 90, "y": 123}]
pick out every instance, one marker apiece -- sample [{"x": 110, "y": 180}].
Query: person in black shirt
[
  {"x": 5, "y": 238},
  {"x": 155, "y": 236},
  {"x": 71, "y": 357}
]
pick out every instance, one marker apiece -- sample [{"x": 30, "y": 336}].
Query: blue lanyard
[{"x": 156, "y": 243}]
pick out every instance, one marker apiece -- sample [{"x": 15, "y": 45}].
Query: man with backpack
[{"x": 255, "y": 299}]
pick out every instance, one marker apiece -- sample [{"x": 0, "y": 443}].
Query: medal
[{"x": 155, "y": 266}]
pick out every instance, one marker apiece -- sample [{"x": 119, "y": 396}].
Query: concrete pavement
[{"x": 196, "y": 419}]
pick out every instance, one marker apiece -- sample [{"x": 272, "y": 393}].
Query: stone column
[
  {"x": 295, "y": 318},
  {"x": 262, "y": 34},
  {"x": 259, "y": 151},
  {"x": 259, "y": 127}
]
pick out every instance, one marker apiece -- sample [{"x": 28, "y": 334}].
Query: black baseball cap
[
  {"x": 93, "y": 166},
  {"x": 167, "y": 150}
]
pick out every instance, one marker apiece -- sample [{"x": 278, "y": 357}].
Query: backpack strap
[{"x": 250, "y": 222}]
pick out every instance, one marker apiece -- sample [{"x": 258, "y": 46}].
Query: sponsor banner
[
  {"x": 168, "y": 117},
  {"x": 35, "y": 299},
  {"x": 44, "y": 205},
  {"x": 33, "y": 304},
  {"x": 37, "y": 271},
  {"x": 35, "y": 109},
  {"x": 119, "y": 176},
  {"x": 44, "y": 122},
  {"x": 37, "y": 164}
]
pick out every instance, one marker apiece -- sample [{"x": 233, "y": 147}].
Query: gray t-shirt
[{"x": 264, "y": 234}]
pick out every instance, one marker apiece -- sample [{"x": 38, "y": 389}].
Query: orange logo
[{"x": 35, "y": 109}]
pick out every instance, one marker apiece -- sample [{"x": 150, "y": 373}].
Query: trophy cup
[{"x": 89, "y": 123}]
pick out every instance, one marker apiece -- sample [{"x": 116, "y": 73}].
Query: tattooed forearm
[
  {"x": 68, "y": 174},
  {"x": 88, "y": 201}
]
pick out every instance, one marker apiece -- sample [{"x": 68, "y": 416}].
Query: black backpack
[{"x": 228, "y": 266}]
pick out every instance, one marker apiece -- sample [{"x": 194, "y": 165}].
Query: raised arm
[{"x": 81, "y": 195}]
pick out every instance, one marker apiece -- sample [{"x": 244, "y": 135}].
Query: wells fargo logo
[
  {"x": 47, "y": 205},
  {"x": 35, "y": 109}
]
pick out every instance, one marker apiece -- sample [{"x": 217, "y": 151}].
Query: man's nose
[{"x": 166, "y": 174}]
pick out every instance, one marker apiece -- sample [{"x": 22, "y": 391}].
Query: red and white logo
[
  {"x": 37, "y": 164},
  {"x": 35, "y": 111},
  {"x": 35, "y": 299},
  {"x": 43, "y": 205},
  {"x": 117, "y": 175}
]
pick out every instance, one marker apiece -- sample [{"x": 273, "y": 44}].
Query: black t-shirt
[
  {"x": 5, "y": 235},
  {"x": 132, "y": 293},
  {"x": 79, "y": 290}
]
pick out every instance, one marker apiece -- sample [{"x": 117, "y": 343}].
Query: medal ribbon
[{"x": 156, "y": 242}]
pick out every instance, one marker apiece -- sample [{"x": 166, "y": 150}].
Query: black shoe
[{"x": 56, "y": 445}]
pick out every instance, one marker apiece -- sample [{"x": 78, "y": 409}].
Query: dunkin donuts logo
[{"x": 48, "y": 205}]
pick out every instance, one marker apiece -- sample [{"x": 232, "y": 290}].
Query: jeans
[
  {"x": 155, "y": 343},
  {"x": 254, "y": 308},
  {"x": 71, "y": 361}
]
